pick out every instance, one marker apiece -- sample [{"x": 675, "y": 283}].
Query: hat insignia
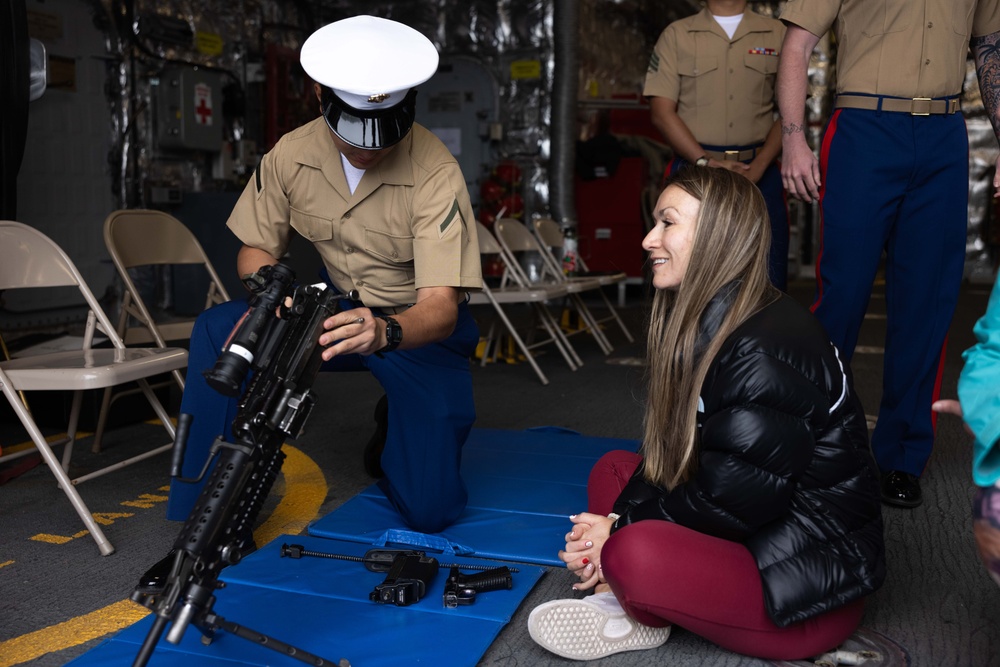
[{"x": 378, "y": 98}]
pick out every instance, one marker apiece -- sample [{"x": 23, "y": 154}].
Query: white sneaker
[{"x": 593, "y": 627}]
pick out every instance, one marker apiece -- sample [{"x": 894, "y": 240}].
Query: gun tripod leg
[
  {"x": 149, "y": 645},
  {"x": 277, "y": 645}
]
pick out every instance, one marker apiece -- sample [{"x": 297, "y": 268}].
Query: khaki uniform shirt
[
  {"x": 724, "y": 89},
  {"x": 899, "y": 48},
  {"x": 409, "y": 223}
]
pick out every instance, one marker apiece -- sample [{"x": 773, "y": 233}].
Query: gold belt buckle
[
  {"x": 732, "y": 155},
  {"x": 921, "y": 113}
]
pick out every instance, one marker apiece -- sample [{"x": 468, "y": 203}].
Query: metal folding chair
[
  {"x": 551, "y": 236},
  {"x": 29, "y": 259},
  {"x": 517, "y": 238},
  {"x": 535, "y": 297},
  {"x": 137, "y": 238}
]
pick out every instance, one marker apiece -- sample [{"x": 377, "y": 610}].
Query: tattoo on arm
[
  {"x": 791, "y": 128},
  {"x": 987, "y": 53}
]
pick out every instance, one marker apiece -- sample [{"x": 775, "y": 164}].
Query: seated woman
[{"x": 752, "y": 516}]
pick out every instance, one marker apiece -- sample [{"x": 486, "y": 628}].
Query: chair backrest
[
  {"x": 141, "y": 237},
  {"x": 30, "y": 259},
  {"x": 514, "y": 237},
  {"x": 488, "y": 244},
  {"x": 549, "y": 232},
  {"x": 550, "y": 236}
]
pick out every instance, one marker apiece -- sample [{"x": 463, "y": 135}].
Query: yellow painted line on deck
[
  {"x": 30, "y": 444},
  {"x": 51, "y": 539},
  {"x": 305, "y": 491},
  {"x": 73, "y": 632},
  {"x": 145, "y": 501},
  {"x": 6, "y": 563}
]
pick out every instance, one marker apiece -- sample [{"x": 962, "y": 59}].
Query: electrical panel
[
  {"x": 189, "y": 109},
  {"x": 460, "y": 104}
]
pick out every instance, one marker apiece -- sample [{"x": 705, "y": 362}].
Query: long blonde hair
[{"x": 732, "y": 238}]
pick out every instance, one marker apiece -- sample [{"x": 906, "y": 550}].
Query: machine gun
[{"x": 277, "y": 338}]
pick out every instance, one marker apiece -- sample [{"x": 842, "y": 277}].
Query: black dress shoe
[
  {"x": 376, "y": 445},
  {"x": 901, "y": 489}
]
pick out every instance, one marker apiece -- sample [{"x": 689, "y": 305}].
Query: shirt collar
[{"x": 321, "y": 153}]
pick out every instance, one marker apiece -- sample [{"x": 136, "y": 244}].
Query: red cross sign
[{"x": 202, "y": 104}]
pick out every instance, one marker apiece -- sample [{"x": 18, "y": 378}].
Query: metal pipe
[{"x": 565, "y": 29}]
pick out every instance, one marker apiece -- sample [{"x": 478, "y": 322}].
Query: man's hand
[
  {"x": 731, "y": 165},
  {"x": 799, "y": 166},
  {"x": 355, "y": 331},
  {"x": 949, "y": 406},
  {"x": 755, "y": 170}
]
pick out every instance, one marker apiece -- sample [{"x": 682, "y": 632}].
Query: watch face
[
  {"x": 393, "y": 334},
  {"x": 395, "y": 331}
]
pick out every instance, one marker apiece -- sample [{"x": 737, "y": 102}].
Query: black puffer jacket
[{"x": 784, "y": 466}]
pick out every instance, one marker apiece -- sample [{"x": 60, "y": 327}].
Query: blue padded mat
[
  {"x": 324, "y": 577},
  {"x": 367, "y": 634},
  {"x": 523, "y": 485},
  {"x": 321, "y": 606}
]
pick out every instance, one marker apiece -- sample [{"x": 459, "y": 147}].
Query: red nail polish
[{"x": 585, "y": 561}]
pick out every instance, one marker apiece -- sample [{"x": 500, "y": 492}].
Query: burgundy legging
[{"x": 664, "y": 573}]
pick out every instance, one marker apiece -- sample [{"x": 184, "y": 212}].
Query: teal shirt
[{"x": 979, "y": 393}]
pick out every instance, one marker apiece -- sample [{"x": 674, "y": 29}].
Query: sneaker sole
[{"x": 575, "y": 629}]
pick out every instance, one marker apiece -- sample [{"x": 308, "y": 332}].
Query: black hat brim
[{"x": 371, "y": 129}]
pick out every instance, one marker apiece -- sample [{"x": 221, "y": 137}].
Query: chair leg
[
  {"x": 592, "y": 324},
  {"x": 164, "y": 418},
  {"x": 6, "y": 357},
  {"x": 74, "y": 420},
  {"x": 110, "y": 397},
  {"x": 614, "y": 313},
  {"x": 520, "y": 343},
  {"x": 158, "y": 408},
  {"x": 490, "y": 345},
  {"x": 102, "y": 420},
  {"x": 179, "y": 377},
  {"x": 81, "y": 508},
  {"x": 555, "y": 332}
]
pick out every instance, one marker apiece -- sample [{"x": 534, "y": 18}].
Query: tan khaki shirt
[
  {"x": 900, "y": 48},
  {"x": 409, "y": 223},
  {"x": 724, "y": 89}
]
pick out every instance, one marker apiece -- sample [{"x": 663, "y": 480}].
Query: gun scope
[{"x": 238, "y": 355}]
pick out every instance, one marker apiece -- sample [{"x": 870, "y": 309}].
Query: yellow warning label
[
  {"x": 208, "y": 43},
  {"x": 526, "y": 69}
]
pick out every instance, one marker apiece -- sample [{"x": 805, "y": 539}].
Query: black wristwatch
[{"x": 393, "y": 334}]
